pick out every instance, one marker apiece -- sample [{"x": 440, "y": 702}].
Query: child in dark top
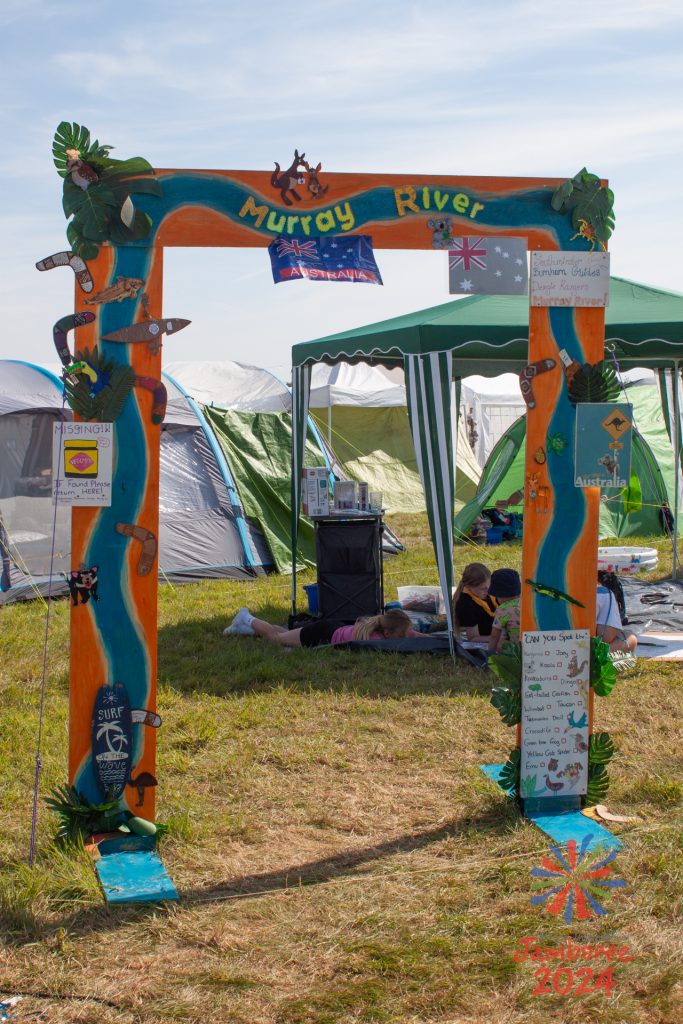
[
  {"x": 506, "y": 587},
  {"x": 473, "y": 608}
]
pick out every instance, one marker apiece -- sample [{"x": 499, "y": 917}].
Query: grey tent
[{"x": 211, "y": 522}]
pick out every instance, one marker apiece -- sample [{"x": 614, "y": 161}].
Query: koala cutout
[
  {"x": 83, "y": 582},
  {"x": 441, "y": 232}
]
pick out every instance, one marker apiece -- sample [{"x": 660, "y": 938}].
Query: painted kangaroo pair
[{"x": 286, "y": 180}]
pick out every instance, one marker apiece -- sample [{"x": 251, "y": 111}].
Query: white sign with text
[
  {"x": 555, "y": 685},
  {"x": 569, "y": 279},
  {"x": 82, "y": 458}
]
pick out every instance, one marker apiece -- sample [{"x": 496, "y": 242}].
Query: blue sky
[{"x": 526, "y": 88}]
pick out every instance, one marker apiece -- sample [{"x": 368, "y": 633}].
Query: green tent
[
  {"x": 486, "y": 335},
  {"x": 623, "y": 513}
]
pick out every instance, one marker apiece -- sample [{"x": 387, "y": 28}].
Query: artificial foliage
[
  {"x": 594, "y": 382},
  {"x": 590, "y": 204},
  {"x": 507, "y": 699},
  {"x": 103, "y": 399},
  {"x": 600, "y": 753},
  {"x": 101, "y": 211},
  {"x": 603, "y": 673},
  {"x": 79, "y": 818},
  {"x": 598, "y": 784},
  {"x": 509, "y": 775}
]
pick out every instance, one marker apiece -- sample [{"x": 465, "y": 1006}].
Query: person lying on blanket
[
  {"x": 609, "y": 625},
  {"x": 393, "y": 625}
]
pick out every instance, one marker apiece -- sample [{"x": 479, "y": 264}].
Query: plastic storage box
[{"x": 421, "y": 599}]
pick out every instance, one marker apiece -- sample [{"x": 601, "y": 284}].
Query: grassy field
[{"x": 340, "y": 856}]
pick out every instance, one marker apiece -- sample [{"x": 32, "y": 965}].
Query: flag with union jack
[
  {"x": 329, "y": 258},
  {"x": 487, "y": 266}
]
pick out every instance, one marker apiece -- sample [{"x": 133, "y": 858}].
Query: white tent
[{"x": 361, "y": 410}]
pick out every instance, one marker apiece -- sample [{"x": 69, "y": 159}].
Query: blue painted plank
[
  {"x": 562, "y": 821},
  {"x": 134, "y": 877}
]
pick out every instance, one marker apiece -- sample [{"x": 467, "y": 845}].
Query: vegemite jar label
[{"x": 80, "y": 458}]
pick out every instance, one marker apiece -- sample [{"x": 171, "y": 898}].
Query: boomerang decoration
[
  {"x": 159, "y": 396},
  {"x": 69, "y": 259},
  {"x": 530, "y": 373},
  {"x": 554, "y": 593},
  {"x": 61, "y": 329},
  {"x": 148, "y": 541}
]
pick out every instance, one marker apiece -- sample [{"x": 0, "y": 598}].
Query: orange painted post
[{"x": 114, "y": 639}]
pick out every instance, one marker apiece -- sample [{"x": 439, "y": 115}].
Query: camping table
[{"x": 349, "y": 559}]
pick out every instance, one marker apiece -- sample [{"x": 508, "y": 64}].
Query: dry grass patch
[{"x": 340, "y": 856}]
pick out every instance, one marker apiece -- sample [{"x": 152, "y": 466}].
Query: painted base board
[
  {"x": 130, "y": 871},
  {"x": 560, "y": 818}
]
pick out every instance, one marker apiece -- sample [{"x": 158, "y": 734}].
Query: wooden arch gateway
[{"x": 114, "y": 640}]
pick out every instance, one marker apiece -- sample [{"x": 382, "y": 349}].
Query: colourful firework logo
[{"x": 572, "y": 879}]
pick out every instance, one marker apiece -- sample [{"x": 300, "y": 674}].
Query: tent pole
[
  {"x": 677, "y": 465},
  {"x": 329, "y": 421}
]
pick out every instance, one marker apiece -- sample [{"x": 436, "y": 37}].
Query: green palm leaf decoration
[
  {"x": 103, "y": 400},
  {"x": 591, "y": 206},
  {"x": 507, "y": 665},
  {"x": 598, "y": 784},
  {"x": 75, "y": 136},
  {"x": 509, "y": 776},
  {"x": 103, "y": 210},
  {"x": 600, "y": 748},
  {"x": 603, "y": 673},
  {"x": 79, "y": 818},
  {"x": 594, "y": 382},
  {"x": 508, "y": 704}
]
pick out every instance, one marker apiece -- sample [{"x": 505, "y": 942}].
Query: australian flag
[{"x": 331, "y": 258}]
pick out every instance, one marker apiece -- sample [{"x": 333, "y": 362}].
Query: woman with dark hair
[{"x": 392, "y": 625}]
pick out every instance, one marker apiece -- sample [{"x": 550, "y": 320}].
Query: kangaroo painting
[
  {"x": 313, "y": 184},
  {"x": 286, "y": 180}
]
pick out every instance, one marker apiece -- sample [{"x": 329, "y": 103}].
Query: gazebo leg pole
[{"x": 677, "y": 466}]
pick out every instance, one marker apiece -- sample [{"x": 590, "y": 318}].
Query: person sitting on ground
[
  {"x": 608, "y": 622},
  {"x": 392, "y": 625},
  {"x": 473, "y": 608},
  {"x": 506, "y": 586}
]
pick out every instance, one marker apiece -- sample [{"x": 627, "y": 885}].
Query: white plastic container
[
  {"x": 421, "y": 599},
  {"x": 627, "y": 561}
]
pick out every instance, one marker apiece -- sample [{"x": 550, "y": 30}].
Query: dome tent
[
  {"x": 211, "y": 525},
  {"x": 637, "y": 513}
]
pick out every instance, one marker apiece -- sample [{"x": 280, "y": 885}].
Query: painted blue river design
[{"x": 123, "y": 648}]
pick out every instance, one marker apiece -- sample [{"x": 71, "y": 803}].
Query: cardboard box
[{"x": 315, "y": 492}]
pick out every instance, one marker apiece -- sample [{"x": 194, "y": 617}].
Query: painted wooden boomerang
[
  {"x": 61, "y": 328},
  {"x": 147, "y": 330},
  {"x": 69, "y": 259}
]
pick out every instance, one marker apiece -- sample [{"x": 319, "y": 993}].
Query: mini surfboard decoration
[
  {"x": 112, "y": 739},
  {"x": 147, "y": 330}
]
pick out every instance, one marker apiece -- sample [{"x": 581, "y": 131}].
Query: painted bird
[
  {"x": 82, "y": 174},
  {"x": 554, "y": 787}
]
